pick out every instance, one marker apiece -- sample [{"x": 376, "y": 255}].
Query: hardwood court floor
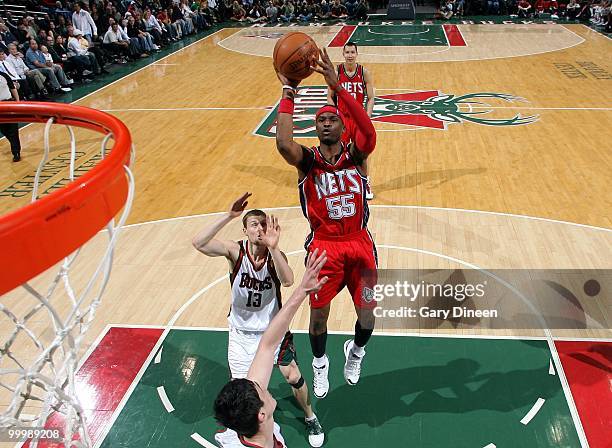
[{"x": 192, "y": 124}]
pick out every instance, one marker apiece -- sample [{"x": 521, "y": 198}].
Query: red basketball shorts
[{"x": 351, "y": 262}]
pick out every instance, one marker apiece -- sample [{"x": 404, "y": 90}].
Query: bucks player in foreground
[{"x": 258, "y": 268}]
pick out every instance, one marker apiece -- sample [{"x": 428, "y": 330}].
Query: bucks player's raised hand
[
  {"x": 271, "y": 233},
  {"x": 311, "y": 282},
  {"x": 239, "y": 205},
  {"x": 326, "y": 67}
]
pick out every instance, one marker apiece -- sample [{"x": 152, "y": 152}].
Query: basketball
[{"x": 294, "y": 54}]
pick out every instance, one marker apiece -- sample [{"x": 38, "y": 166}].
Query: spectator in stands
[
  {"x": 585, "y": 12},
  {"x": 524, "y": 9},
  {"x": 306, "y": 12},
  {"x": 257, "y": 14},
  {"x": 31, "y": 27},
  {"x": 82, "y": 20},
  {"x": 153, "y": 27},
  {"x": 10, "y": 22},
  {"x": 23, "y": 33},
  {"x": 492, "y": 7},
  {"x": 458, "y": 8},
  {"x": 81, "y": 56},
  {"x": 361, "y": 11},
  {"x": 53, "y": 72},
  {"x": 115, "y": 43},
  {"x": 62, "y": 26},
  {"x": 553, "y": 9},
  {"x": 45, "y": 22},
  {"x": 75, "y": 66},
  {"x": 173, "y": 28},
  {"x": 214, "y": 7},
  {"x": 142, "y": 27},
  {"x": 8, "y": 92},
  {"x": 446, "y": 10},
  {"x": 98, "y": 53},
  {"x": 41, "y": 38},
  {"x": 188, "y": 16},
  {"x": 323, "y": 10},
  {"x": 238, "y": 12},
  {"x": 99, "y": 17},
  {"x": 201, "y": 23},
  {"x": 135, "y": 48},
  {"x": 146, "y": 41},
  {"x": 600, "y": 12},
  {"x": 338, "y": 10},
  {"x": 48, "y": 58},
  {"x": 6, "y": 36},
  {"x": 272, "y": 12},
  {"x": 288, "y": 11},
  {"x": 207, "y": 13},
  {"x": 177, "y": 17},
  {"x": 572, "y": 9},
  {"x": 35, "y": 78},
  {"x": 23, "y": 87}
]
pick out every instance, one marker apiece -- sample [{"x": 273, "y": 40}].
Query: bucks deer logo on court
[{"x": 429, "y": 109}]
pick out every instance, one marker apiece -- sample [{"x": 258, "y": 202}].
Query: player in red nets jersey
[
  {"x": 332, "y": 184},
  {"x": 357, "y": 81}
]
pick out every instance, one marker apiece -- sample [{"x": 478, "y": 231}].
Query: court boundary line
[
  {"x": 582, "y": 40},
  {"x": 424, "y": 207},
  {"x": 597, "y": 31},
  {"x": 149, "y": 65},
  {"x": 380, "y": 333},
  {"x": 167, "y": 328},
  {"x": 145, "y": 365}
]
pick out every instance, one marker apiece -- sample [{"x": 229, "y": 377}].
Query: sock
[
  {"x": 319, "y": 362},
  {"x": 318, "y": 343},
  {"x": 309, "y": 419},
  {"x": 362, "y": 336},
  {"x": 356, "y": 350}
]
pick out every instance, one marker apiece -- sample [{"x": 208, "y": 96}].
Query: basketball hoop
[{"x": 39, "y": 236}]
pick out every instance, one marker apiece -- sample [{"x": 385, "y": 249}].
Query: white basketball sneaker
[
  {"x": 320, "y": 383},
  {"x": 316, "y": 436},
  {"x": 352, "y": 365}
]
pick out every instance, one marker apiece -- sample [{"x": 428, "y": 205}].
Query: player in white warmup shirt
[{"x": 257, "y": 270}]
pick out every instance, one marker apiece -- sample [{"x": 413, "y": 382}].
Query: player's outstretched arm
[
  {"x": 263, "y": 363},
  {"x": 270, "y": 238},
  {"x": 369, "y": 80},
  {"x": 291, "y": 151},
  {"x": 362, "y": 133},
  {"x": 330, "y": 96},
  {"x": 205, "y": 241}
]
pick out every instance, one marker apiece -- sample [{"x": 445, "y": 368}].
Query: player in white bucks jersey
[
  {"x": 245, "y": 405},
  {"x": 258, "y": 268}
]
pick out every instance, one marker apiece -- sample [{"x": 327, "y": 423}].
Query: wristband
[
  {"x": 285, "y": 106},
  {"x": 289, "y": 87}
]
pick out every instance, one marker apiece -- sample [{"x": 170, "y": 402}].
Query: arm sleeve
[{"x": 362, "y": 130}]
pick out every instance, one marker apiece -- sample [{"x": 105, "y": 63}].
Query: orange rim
[{"x": 35, "y": 237}]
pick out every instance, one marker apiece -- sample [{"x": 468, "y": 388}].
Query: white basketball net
[{"x": 43, "y": 377}]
